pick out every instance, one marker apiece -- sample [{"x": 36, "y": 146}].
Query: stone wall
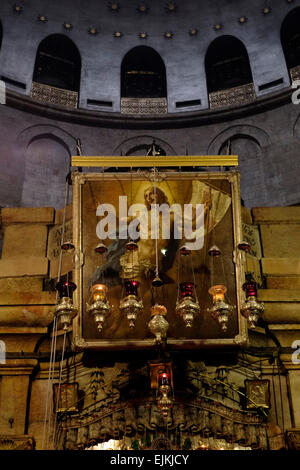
[{"x": 183, "y": 55}]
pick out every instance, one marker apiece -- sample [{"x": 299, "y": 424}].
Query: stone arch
[
  {"x": 143, "y": 74},
  {"x": 47, "y": 163},
  {"x": 26, "y": 136},
  {"x": 227, "y": 64},
  {"x": 140, "y": 143},
  {"x": 290, "y": 38},
  {"x": 296, "y": 128},
  {"x": 250, "y": 167},
  {"x": 1, "y": 33},
  {"x": 58, "y": 63},
  {"x": 256, "y": 133}
]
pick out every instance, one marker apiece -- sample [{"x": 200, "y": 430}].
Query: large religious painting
[{"x": 122, "y": 236}]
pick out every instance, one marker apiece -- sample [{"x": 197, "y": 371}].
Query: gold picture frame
[
  {"x": 258, "y": 394},
  {"x": 86, "y": 190}
]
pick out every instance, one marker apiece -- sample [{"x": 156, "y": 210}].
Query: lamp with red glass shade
[
  {"x": 130, "y": 305},
  {"x": 65, "y": 310},
  {"x": 187, "y": 305},
  {"x": 251, "y": 309},
  {"x": 164, "y": 401},
  {"x": 98, "y": 306}
]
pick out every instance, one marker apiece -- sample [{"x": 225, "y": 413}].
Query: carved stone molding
[
  {"x": 144, "y": 106},
  {"x": 56, "y": 96},
  {"x": 233, "y": 96},
  {"x": 17, "y": 443},
  {"x": 293, "y": 439}
]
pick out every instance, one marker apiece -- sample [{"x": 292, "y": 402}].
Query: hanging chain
[{"x": 51, "y": 374}]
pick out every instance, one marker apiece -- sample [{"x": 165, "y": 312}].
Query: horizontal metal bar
[{"x": 159, "y": 161}]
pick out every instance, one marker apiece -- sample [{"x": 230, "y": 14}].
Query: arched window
[
  {"x": 227, "y": 64},
  {"x": 143, "y": 74},
  {"x": 58, "y": 63},
  {"x": 290, "y": 38}
]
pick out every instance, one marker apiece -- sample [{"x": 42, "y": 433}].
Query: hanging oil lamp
[
  {"x": 220, "y": 310},
  {"x": 100, "y": 249},
  {"x": 187, "y": 305},
  {"x": 131, "y": 246},
  {"x": 65, "y": 310},
  {"x": 251, "y": 309},
  {"x": 244, "y": 246},
  {"x": 98, "y": 306},
  {"x": 158, "y": 325},
  {"x": 214, "y": 251},
  {"x": 68, "y": 246},
  {"x": 185, "y": 250},
  {"x": 130, "y": 305},
  {"x": 164, "y": 401}
]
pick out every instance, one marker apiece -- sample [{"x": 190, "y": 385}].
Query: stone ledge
[
  {"x": 35, "y": 316},
  {"x": 18, "y": 339},
  {"x": 281, "y": 266},
  {"x": 28, "y": 298},
  {"x": 22, "y": 330},
  {"x": 24, "y": 266},
  {"x": 286, "y": 283},
  {"x": 18, "y": 366},
  {"x": 41, "y": 215},
  {"x": 279, "y": 295},
  {"x": 282, "y": 312},
  {"x": 284, "y": 326},
  {"x": 19, "y": 284},
  {"x": 12, "y": 442},
  {"x": 276, "y": 215}
]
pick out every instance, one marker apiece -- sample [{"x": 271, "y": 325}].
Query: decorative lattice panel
[
  {"x": 233, "y": 96},
  {"x": 144, "y": 106},
  {"x": 56, "y": 96}
]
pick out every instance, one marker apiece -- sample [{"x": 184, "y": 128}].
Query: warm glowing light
[
  {"x": 158, "y": 310},
  {"x": 217, "y": 292},
  {"x": 99, "y": 292},
  {"x": 164, "y": 379}
]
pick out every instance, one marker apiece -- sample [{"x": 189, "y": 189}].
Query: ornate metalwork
[
  {"x": 17, "y": 443},
  {"x": 295, "y": 73},
  {"x": 293, "y": 439},
  {"x": 56, "y": 96},
  {"x": 144, "y": 106},
  {"x": 67, "y": 402},
  {"x": 232, "y": 96},
  {"x": 161, "y": 443},
  {"x": 158, "y": 325}
]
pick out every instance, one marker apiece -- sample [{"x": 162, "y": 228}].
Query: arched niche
[
  {"x": 139, "y": 145},
  {"x": 290, "y": 38},
  {"x": 46, "y": 166},
  {"x": 143, "y": 74},
  {"x": 227, "y": 64},
  {"x": 250, "y": 167},
  {"x": 1, "y": 34},
  {"x": 58, "y": 63}
]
